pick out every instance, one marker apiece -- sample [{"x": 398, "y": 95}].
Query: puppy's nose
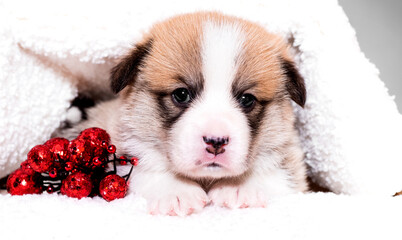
[{"x": 215, "y": 145}]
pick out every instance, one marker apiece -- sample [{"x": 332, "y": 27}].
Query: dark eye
[
  {"x": 247, "y": 101},
  {"x": 181, "y": 96}
]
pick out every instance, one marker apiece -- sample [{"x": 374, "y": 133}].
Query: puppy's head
[{"x": 209, "y": 91}]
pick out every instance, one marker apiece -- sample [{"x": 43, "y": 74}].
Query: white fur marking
[{"x": 221, "y": 45}]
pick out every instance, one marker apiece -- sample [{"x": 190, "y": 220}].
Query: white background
[{"x": 378, "y": 24}]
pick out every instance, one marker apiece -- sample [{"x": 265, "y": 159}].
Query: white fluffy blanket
[
  {"x": 350, "y": 127},
  {"x": 301, "y": 216}
]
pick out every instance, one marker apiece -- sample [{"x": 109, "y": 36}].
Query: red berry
[
  {"x": 99, "y": 151},
  {"x": 97, "y": 161},
  {"x": 80, "y": 151},
  {"x": 77, "y": 185},
  {"x": 123, "y": 160},
  {"x": 95, "y": 136},
  {"x": 69, "y": 166},
  {"x": 40, "y": 158},
  {"x": 77, "y": 147},
  {"x": 111, "y": 149},
  {"x": 53, "y": 173},
  {"x": 25, "y": 165},
  {"x": 59, "y": 147},
  {"x": 134, "y": 161},
  {"x": 112, "y": 187},
  {"x": 104, "y": 144},
  {"x": 23, "y": 181},
  {"x": 50, "y": 189}
]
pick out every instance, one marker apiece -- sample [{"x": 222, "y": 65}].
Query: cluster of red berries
[{"x": 74, "y": 168}]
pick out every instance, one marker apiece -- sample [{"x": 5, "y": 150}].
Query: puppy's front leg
[
  {"x": 253, "y": 189},
  {"x": 166, "y": 193}
]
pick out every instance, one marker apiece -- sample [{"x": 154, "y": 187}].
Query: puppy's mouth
[
  {"x": 213, "y": 168},
  {"x": 209, "y": 165},
  {"x": 214, "y": 165}
]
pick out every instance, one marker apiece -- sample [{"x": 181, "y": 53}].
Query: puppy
[{"x": 204, "y": 101}]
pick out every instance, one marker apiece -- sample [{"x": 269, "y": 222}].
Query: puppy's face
[{"x": 204, "y": 88}]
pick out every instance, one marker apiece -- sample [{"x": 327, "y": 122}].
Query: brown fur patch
[
  {"x": 175, "y": 54},
  {"x": 259, "y": 62}
]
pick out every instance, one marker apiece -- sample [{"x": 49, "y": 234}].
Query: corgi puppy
[{"x": 204, "y": 101}]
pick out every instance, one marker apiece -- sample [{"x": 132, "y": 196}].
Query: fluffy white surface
[
  {"x": 351, "y": 129},
  {"x": 301, "y": 216}
]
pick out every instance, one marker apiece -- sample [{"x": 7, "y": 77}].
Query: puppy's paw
[
  {"x": 180, "y": 198},
  {"x": 255, "y": 190},
  {"x": 242, "y": 196}
]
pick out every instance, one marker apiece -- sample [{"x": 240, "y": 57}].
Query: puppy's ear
[
  {"x": 127, "y": 70},
  {"x": 295, "y": 82}
]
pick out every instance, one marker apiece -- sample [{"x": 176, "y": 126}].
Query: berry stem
[
  {"x": 127, "y": 176},
  {"x": 114, "y": 163}
]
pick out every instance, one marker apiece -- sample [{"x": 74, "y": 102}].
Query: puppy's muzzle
[{"x": 215, "y": 145}]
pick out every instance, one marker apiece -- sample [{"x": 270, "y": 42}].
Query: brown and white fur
[{"x": 219, "y": 60}]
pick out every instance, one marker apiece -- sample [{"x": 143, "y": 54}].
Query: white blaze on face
[
  {"x": 221, "y": 45},
  {"x": 215, "y": 112}
]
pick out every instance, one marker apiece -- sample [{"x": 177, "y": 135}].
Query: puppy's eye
[
  {"x": 181, "y": 96},
  {"x": 247, "y": 101}
]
